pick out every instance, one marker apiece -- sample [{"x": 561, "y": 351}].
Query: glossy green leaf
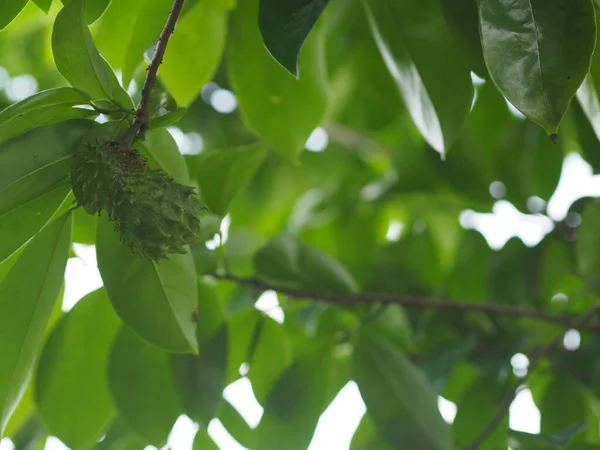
[
  {"x": 202, "y": 441},
  {"x": 29, "y": 169},
  {"x": 283, "y": 111},
  {"x": 295, "y": 404},
  {"x": 21, "y": 222},
  {"x": 476, "y": 409},
  {"x": 588, "y": 261},
  {"x": 236, "y": 425},
  {"x": 538, "y": 53},
  {"x": 221, "y": 174},
  {"x": 78, "y": 60},
  {"x": 201, "y": 378},
  {"x": 127, "y": 29},
  {"x": 168, "y": 290},
  {"x": 43, "y": 108},
  {"x": 143, "y": 388},
  {"x": 399, "y": 400},
  {"x": 272, "y": 355},
  {"x": 195, "y": 50},
  {"x": 44, "y": 5},
  {"x": 414, "y": 62},
  {"x": 9, "y": 9},
  {"x": 35, "y": 279},
  {"x": 366, "y": 436},
  {"x": 94, "y": 8},
  {"x": 71, "y": 393},
  {"x": 167, "y": 119},
  {"x": 284, "y": 27},
  {"x": 288, "y": 262}
]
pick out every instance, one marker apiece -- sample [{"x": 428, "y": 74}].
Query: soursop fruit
[{"x": 154, "y": 215}]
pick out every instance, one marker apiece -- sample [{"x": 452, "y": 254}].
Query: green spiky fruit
[{"x": 154, "y": 215}]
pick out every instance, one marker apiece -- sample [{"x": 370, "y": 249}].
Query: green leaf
[
  {"x": 414, "y": 62},
  {"x": 163, "y": 153},
  {"x": 295, "y": 404},
  {"x": 142, "y": 386},
  {"x": 476, "y": 409},
  {"x": 78, "y": 60},
  {"x": 538, "y": 53},
  {"x": 29, "y": 169},
  {"x": 520, "y": 440},
  {"x": 168, "y": 289},
  {"x": 205, "y": 260},
  {"x": 94, "y": 8},
  {"x": 84, "y": 227},
  {"x": 127, "y": 29},
  {"x": 167, "y": 119},
  {"x": 242, "y": 244},
  {"x": 283, "y": 111},
  {"x": 287, "y": 262},
  {"x": 210, "y": 312},
  {"x": 120, "y": 437},
  {"x": 221, "y": 174},
  {"x": 44, "y": 5},
  {"x": 366, "y": 437},
  {"x": 195, "y": 50},
  {"x": 398, "y": 397},
  {"x": 562, "y": 405},
  {"x": 21, "y": 222},
  {"x": 588, "y": 238},
  {"x": 284, "y": 27},
  {"x": 72, "y": 397},
  {"x": 35, "y": 279},
  {"x": 9, "y": 9},
  {"x": 203, "y": 441},
  {"x": 270, "y": 358},
  {"x": 236, "y": 425},
  {"x": 201, "y": 378},
  {"x": 43, "y": 108},
  {"x": 242, "y": 328}
]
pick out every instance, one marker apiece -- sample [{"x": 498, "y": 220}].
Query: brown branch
[
  {"x": 419, "y": 302},
  {"x": 533, "y": 363},
  {"x": 142, "y": 115}
]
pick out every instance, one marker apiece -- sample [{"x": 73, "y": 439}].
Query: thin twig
[
  {"x": 419, "y": 302},
  {"x": 142, "y": 115},
  {"x": 533, "y": 363}
]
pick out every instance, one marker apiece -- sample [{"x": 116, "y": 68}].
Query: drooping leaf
[
  {"x": 222, "y": 173},
  {"x": 562, "y": 405},
  {"x": 202, "y": 441},
  {"x": 284, "y": 27},
  {"x": 366, "y": 436},
  {"x": 143, "y": 388},
  {"x": 242, "y": 328},
  {"x": 272, "y": 355},
  {"x": 163, "y": 153},
  {"x": 120, "y": 436},
  {"x": 78, "y": 60},
  {"x": 71, "y": 393},
  {"x": 295, "y": 404},
  {"x": 168, "y": 290},
  {"x": 414, "y": 62},
  {"x": 283, "y": 111},
  {"x": 200, "y": 379},
  {"x": 538, "y": 53},
  {"x": 236, "y": 425},
  {"x": 35, "y": 280},
  {"x": 195, "y": 50},
  {"x": 476, "y": 409},
  {"x": 287, "y": 262},
  {"x": 9, "y": 9},
  {"x": 399, "y": 400}
]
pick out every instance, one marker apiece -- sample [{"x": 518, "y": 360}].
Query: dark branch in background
[
  {"x": 419, "y": 302},
  {"x": 534, "y": 360},
  {"x": 142, "y": 115}
]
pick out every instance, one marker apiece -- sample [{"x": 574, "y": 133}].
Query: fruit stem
[{"x": 142, "y": 115}]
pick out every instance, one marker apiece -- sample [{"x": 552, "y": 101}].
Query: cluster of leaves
[{"x": 391, "y": 83}]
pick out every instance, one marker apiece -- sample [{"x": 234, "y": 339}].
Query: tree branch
[
  {"x": 533, "y": 363},
  {"x": 142, "y": 115},
  {"x": 419, "y": 302}
]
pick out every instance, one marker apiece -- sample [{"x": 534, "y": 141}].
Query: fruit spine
[{"x": 154, "y": 215}]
